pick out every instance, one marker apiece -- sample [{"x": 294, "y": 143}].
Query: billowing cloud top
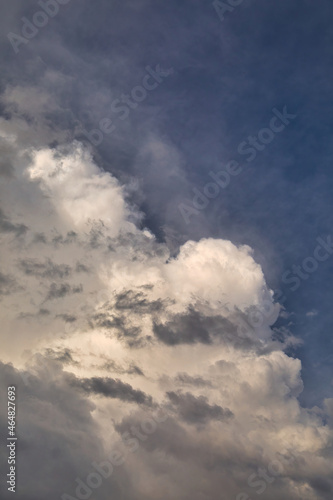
[{"x": 125, "y": 330}]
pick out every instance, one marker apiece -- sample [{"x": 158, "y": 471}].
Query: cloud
[
  {"x": 174, "y": 303},
  {"x": 129, "y": 328},
  {"x": 7, "y": 284},
  {"x": 197, "y": 410},
  {"x": 138, "y": 302},
  {"x": 88, "y": 199},
  {"x": 61, "y": 433},
  {"x": 46, "y": 269},
  {"x": 185, "y": 379},
  {"x": 6, "y": 226},
  {"x": 113, "y": 367},
  {"x": 112, "y": 388},
  {"x": 183, "y": 329},
  {"x": 58, "y": 435},
  {"x": 233, "y": 276},
  {"x": 61, "y": 291},
  {"x": 64, "y": 356}
]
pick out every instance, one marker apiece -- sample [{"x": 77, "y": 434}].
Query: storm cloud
[{"x": 127, "y": 328}]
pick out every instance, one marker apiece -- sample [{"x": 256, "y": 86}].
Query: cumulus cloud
[
  {"x": 128, "y": 328},
  {"x": 86, "y": 239},
  {"x": 79, "y": 190}
]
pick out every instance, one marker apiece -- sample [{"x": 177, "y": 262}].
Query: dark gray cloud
[
  {"x": 40, "y": 238},
  {"x": 47, "y": 269},
  {"x": 44, "y": 312},
  {"x": 59, "y": 239},
  {"x": 194, "y": 327},
  {"x": 184, "y": 329},
  {"x": 81, "y": 268},
  {"x": 185, "y": 379},
  {"x": 109, "y": 321},
  {"x": 68, "y": 318},
  {"x": 114, "y": 321},
  {"x": 112, "y": 388},
  {"x": 62, "y": 290},
  {"x": 6, "y": 226},
  {"x": 58, "y": 437},
  {"x": 6, "y": 161},
  {"x": 137, "y": 302},
  {"x": 322, "y": 486},
  {"x": 114, "y": 367},
  {"x": 7, "y": 284},
  {"x": 197, "y": 410},
  {"x": 64, "y": 356}
]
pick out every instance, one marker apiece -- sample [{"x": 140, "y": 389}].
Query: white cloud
[
  {"x": 218, "y": 272},
  {"x": 83, "y": 238},
  {"x": 79, "y": 191}
]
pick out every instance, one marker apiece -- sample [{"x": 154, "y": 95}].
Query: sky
[{"x": 167, "y": 249}]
